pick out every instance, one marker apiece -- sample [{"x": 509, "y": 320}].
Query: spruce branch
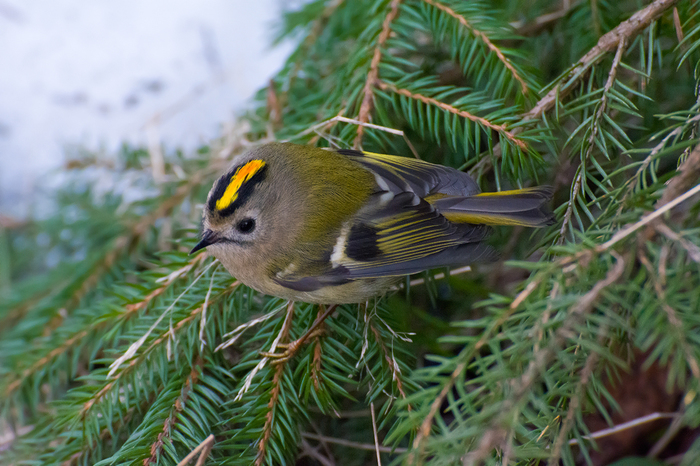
[
  {"x": 595, "y": 128},
  {"x": 74, "y": 340},
  {"x": 501, "y": 129},
  {"x": 105, "y": 434},
  {"x": 390, "y": 360},
  {"x": 134, "y": 347},
  {"x": 318, "y": 351},
  {"x": 575, "y": 401},
  {"x": 169, "y": 423},
  {"x": 522, "y": 385},
  {"x": 157, "y": 342},
  {"x": 626, "y": 31},
  {"x": 311, "y": 38},
  {"x": 276, "y": 389},
  {"x": 351, "y": 444},
  {"x": 373, "y": 74},
  {"x": 625, "y": 426},
  {"x": 658, "y": 279},
  {"x": 202, "y": 450},
  {"x": 485, "y": 39}
]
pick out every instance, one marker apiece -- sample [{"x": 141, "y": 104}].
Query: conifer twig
[
  {"x": 87, "y": 406},
  {"x": 351, "y": 444},
  {"x": 658, "y": 280},
  {"x": 337, "y": 118},
  {"x": 691, "y": 248},
  {"x": 391, "y": 362},
  {"x": 276, "y": 388},
  {"x": 318, "y": 351},
  {"x": 376, "y": 436},
  {"x": 575, "y": 401},
  {"x": 626, "y": 30},
  {"x": 131, "y": 351},
  {"x": 177, "y": 408},
  {"x": 501, "y": 129},
  {"x": 493, "y": 434},
  {"x": 625, "y": 426},
  {"x": 485, "y": 39},
  {"x": 202, "y": 450},
  {"x": 373, "y": 75},
  {"x": 602, "y": 107}
]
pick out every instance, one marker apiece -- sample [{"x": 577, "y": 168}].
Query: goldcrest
[{"x": 341, "y": 226}]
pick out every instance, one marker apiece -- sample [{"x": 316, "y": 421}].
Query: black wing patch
[{"x": 362, "y": 243}]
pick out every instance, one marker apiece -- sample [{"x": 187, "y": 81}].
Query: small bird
[{"x": 341, "y": 226}]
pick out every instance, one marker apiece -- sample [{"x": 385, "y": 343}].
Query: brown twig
[
  {"x": 485, "y": 39},
  {"x": 542, "y": 21},
  {"x": 625, "y": 426},
  {"x": 202, "y": 450},
  {"x": 602, "y": 107},
  {"x": 373, "y": 75},
  {"x": 275, "y": 392},
  {"x": 691, "y": 248},
  {"x": 688, "y": 176},
  {"x": 318, "y": 351},
  {"x": 501, "y": 129},
  {"x": 350, "y": 444},
  {"x": 311, "y": 452},
  {"x": 178, "y": 406},
  {"x": 391, "y": 362},
  {"x": 376, "y": 435}
]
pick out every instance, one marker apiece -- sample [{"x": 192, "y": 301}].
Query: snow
[{"x": 93, "y": 74}]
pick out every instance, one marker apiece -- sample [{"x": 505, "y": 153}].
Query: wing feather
[{"x": 398, "y": 232}]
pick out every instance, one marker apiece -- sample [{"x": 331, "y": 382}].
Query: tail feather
[{"x": 526, "y": 207}]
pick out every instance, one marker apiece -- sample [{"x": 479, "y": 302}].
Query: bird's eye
[{"x": 246, "y": 225}]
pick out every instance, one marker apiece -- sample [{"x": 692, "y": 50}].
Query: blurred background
[{"x": 82, "y": 76}]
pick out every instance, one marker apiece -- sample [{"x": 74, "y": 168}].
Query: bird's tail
[{"x": 526, "y": 207}]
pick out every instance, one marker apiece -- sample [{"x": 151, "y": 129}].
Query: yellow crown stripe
[{"x": 242, "y": 175}]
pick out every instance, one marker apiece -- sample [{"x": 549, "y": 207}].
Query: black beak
[{"x": 208, "y": 237}]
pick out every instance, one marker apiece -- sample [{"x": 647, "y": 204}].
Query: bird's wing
[
  {"x": 402, "y": 174},
  {"x": 395, "y": 235}
]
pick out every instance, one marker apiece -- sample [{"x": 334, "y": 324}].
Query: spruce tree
[{"x": 117, "y": 347}]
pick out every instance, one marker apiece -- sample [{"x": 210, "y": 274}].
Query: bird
[{"x": 336, "y": 226}]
